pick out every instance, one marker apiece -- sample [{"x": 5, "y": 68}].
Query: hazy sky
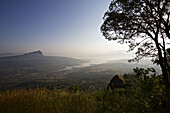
[{"x": 57, "y": 27}]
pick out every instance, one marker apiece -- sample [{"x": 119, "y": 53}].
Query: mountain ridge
[
  {"x": 38, "y": 52},
  {"x": 33, "y": 54}
]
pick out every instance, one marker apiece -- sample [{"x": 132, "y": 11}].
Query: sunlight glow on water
[{"x": 89, "y": 63}]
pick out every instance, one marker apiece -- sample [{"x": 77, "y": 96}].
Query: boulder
[{"x": 116, "y": 82}]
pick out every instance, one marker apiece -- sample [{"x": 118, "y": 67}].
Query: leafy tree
[
  {"x": 143, "y": 74},
  {"x": 144, "y": 25}
]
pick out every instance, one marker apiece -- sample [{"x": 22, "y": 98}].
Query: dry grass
[{"x": 45, "y": 101}]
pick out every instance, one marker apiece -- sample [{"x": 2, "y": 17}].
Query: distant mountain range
[
  {"x": 26, "y": 55},
  {"x": 37, "y": 59},
  {"x": 8, "y": 54},
  {"x": 34, "y": 53}
]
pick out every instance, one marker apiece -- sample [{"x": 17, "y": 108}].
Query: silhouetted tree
[{"x": 144, "y": 25}]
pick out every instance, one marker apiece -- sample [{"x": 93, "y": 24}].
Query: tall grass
[
  {"x": 45, "y": 101},
  {"x": 41, "y": 100}
]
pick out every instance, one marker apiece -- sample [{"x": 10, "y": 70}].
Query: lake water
[{"x": 90, "y": 63}]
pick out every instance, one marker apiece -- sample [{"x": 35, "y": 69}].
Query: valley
[{"x": 36, "y": 70}]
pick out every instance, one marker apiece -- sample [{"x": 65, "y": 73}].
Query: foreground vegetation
[
  {"x": 146, "y": 95},
  {"x": 46, "y": 101}
]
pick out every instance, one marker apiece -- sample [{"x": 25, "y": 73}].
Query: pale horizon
[{"x": 57, "y": 28}]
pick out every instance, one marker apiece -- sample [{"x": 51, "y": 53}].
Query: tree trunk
[
  {"x": 163, "y": 68},
  {"x": 165, "y": 78}
]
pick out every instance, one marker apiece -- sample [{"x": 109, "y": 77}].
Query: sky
[{"x": 56, "y": 27}]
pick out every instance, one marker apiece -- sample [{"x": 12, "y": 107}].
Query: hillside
[
  {"x": 15, "y": 71},
  {"x": 34, "y": 69},
  {"x": 35, "y": 83}
]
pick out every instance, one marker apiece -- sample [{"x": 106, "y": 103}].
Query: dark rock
[{"x": 116, "y": 82}]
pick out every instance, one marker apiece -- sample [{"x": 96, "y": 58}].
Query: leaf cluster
[{"x": 143, "y": 24}]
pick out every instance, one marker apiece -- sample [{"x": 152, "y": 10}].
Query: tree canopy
[
  {"x": 144, "y": 26},
  {"x": 141, "y": 23}
]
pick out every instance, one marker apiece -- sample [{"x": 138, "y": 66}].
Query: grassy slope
[{"x": 56, "y": 101}]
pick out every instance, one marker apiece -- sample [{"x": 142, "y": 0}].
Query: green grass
[{"x": 41, "y": 100}]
